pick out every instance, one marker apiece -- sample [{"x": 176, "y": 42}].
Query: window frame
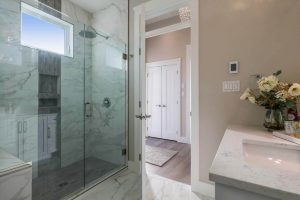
[{"x": 66, "y": 26}]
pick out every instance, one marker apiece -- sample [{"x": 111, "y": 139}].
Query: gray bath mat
[{"x": 158, "y": 156}]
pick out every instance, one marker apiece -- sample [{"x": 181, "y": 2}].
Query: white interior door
[
  {"x": 163, "y": 99},
  {"x": 154, "y": 92},
  {"x": 170, "y": 101}
]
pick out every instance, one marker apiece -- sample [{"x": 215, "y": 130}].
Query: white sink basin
[{"x": 272, "y": 155}]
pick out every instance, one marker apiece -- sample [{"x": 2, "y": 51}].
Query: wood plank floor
[{"x": 179, "y": 167}]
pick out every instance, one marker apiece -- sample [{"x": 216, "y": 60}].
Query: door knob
[
  {"x": 147, "y": 116},
  {"x": 139, "y": 116}
]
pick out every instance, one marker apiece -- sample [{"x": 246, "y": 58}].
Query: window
[{"x": 45, "y": 32}]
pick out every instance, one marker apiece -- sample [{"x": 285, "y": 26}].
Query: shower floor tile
[{"x": 61, "y": 182}]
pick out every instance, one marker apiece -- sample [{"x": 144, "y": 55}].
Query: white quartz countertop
[
  {"x": 9, "y": 163},
  {"x": 230, "y": 167}
]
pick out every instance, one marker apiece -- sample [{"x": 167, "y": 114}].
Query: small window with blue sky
[{"x": 45, "y": 32}]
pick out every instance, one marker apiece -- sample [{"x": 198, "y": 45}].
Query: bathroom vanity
[
  {"x": 251, "y": 164},
  {"x": 15, "y": 178}
]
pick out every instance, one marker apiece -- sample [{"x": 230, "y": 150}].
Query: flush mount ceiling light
[{"x": 185, "y": 14}]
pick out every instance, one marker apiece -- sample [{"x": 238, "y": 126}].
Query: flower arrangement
[{"x": 275, "y": 96}]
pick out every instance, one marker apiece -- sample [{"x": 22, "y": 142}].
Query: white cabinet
[
  {"x": 19, "y": 135},
  {"x": 163, "y": 99},
  {"x": 9, "y": 135},
  {"x": 225, "y": 192},
  {"x": 27, "y": 129}
]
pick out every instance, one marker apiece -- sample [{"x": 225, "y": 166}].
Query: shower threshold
[{"x": 95, "y": 183}]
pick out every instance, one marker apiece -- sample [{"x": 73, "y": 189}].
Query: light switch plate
[{"x": 231, "y": 86}]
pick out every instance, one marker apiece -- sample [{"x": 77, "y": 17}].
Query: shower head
[
  {"x": 91, "y": 34},
  {"x": 88, "y": 34}
]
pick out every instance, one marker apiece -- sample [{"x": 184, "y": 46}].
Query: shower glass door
[
  {"x": 106, "y": 105},
  {"x": 66, "y": 115}
]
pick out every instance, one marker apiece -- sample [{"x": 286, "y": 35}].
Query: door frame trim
[
  {"x": 177, "y": 62},
  {"x": 159, "y": 7},
  {"x": 168, "y": 29}
]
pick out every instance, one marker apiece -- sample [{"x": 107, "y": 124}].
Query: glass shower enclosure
[{"x": 66, "y": 115}]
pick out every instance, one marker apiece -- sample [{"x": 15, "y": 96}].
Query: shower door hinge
[
  {"x": 125, "y": 56},
  {"x": 140, "y": 51},
  {"x": 140, "y": 157},
  {"x": 140, "y": 104},
  {"x": 124, "y": 152}
]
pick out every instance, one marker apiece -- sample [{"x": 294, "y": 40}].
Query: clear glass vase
[{"x": 274, "y": 120}]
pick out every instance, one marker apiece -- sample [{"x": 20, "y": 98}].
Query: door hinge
[
  {"x": 147, "y": 74},
  {"x": 140, "y": 51},
  {"x": 124, "y": 56},
  {"x": 140, "y": 157},
  {"x": 140, "y": 104}
]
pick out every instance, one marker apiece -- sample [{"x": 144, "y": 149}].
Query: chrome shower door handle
[
  {"x": 20, "y": 127},
  {"x": 24, "y": 126}
]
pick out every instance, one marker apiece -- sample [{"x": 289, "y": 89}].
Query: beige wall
[
  {"x": 264, "y": 36},
  {"x": 170, "y": 46}
]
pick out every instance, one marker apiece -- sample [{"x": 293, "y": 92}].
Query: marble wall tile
[
  {"x": 108, "y": 126},
  {"x": 106, "y": 133},
  {"x": 72, "y": 102},
  {"x": 113, "y": 20},
  {"x": 10, "y": 21},
  {"x": 76, "y": 14},
  {"x": 18, "y": 88}
]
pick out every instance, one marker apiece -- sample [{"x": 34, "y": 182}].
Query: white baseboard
[
  {"x": 134, "y": 166},
  {"x": 183, "y": 140},
  {"x": 203, "y": 188}
]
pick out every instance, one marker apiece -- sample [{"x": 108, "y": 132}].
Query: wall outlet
[{"x": 231, "y": 86}]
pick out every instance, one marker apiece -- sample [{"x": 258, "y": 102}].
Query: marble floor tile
[
  {"x": 124, "y": 186},
  {"x": 127, "y": 186}
]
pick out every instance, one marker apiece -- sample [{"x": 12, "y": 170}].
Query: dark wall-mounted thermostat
[{"x": 234, "y": 67}]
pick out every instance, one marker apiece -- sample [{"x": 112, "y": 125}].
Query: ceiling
[{"x": 92, "y": 5}]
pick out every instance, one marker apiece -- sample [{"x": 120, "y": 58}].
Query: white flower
[
  {"x": 266, "y": 84},
  {"x": 246, "y": 94},
  {"x": 294, "y": 90},
  {"x": 252, "y": 99},
  {"x": 282, "y": 95}
]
